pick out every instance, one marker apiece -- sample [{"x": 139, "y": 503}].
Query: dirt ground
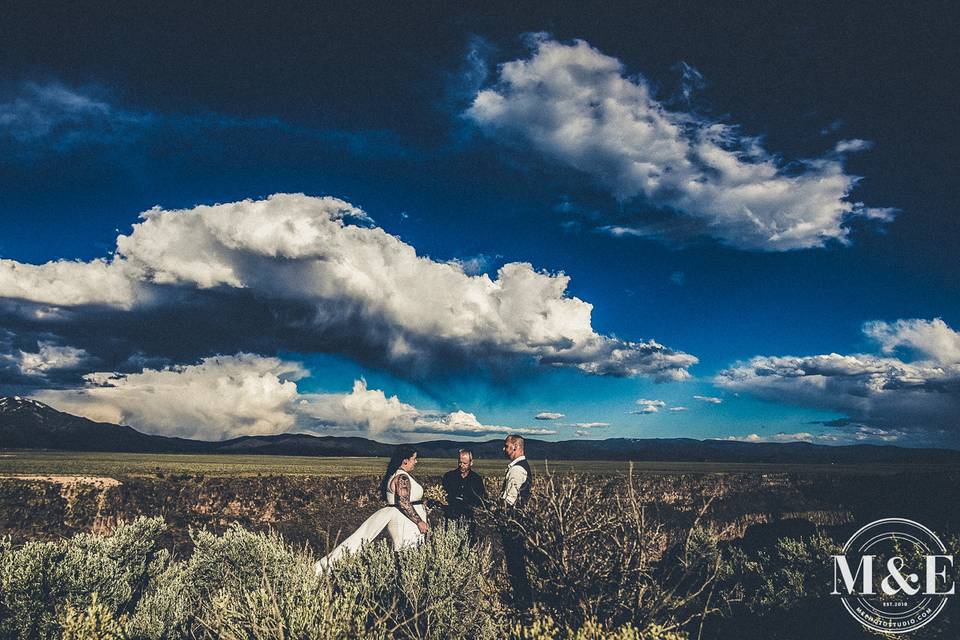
[{"x": 100, "y": 482}]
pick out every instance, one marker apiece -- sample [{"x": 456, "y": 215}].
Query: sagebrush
[{"x": 626, "y": 558}]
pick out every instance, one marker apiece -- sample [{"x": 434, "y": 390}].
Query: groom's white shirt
[{"x": 513, "y": 480}]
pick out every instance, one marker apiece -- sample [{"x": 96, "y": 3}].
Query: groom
[{"x": 516, "y": 492}]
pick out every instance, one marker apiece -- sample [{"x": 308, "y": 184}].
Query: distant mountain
[
  {"x": 652, "y": 449},
  {"x": 28, "y": 424}
]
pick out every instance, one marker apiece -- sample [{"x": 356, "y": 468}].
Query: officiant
[{"x": 465, "y": 491}]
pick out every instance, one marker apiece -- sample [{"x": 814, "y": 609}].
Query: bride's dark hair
[{"x": 401, "y": 453}]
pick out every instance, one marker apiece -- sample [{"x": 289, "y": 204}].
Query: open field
[
  {"x": 717, "y": 551},
  {"x": 725, "y": 551},
  {"x": 23, "y": 462}
]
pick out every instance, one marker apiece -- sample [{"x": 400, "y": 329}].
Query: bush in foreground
[
  {"x": 40, "y": 579},
  {"x": 243, "y": 585},
  {"x": 437, "y": 590},
  {"x": 599, "y": 552}
]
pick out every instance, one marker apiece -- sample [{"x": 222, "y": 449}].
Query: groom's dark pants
[{"x": 515, "y": 554}]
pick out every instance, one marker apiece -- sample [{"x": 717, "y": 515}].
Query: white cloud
[
  {"x": 846, "y": 146},
  {"x": 463, "y": 423},
  {"x": 679, "y": 409},
  {"x": 649, "y": 406},
  {"x": 856, "y": 434},
  {"x": 591, "y": 425},
  {"x": 576, "y": 106},
  {"x": 777, "y": 437},
  {"x": 930, "y": 339},
  {"x": 363, "y": 409},
  {"x": 919, "y": 395},
  {"x": 863, "y": 433},
  {"x": 340, "y": 286},
  {"x": 548, "y": 415},
  {"x": 48, "y": 357},
  {"x": 708, "y": 399},
  {"x": 372, "y": 412},
  {"x": 218, "y": 398},
  {"x": 68, "y": 283},
  {"x": 246, "y": 394}
]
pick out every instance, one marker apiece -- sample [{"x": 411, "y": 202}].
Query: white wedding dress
[{"x": 402, "y": 530}]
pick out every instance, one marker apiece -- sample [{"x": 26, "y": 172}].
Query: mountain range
[{"x": 29, "y": 424}]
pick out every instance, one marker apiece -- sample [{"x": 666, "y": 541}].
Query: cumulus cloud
[
  {"x": 931, "y": 340},
  {"x": 246, "y": 394},
  {"x": 591, "y": 425},
  {"x": 39, "y": 359},
  {"x": 48, "y": 357},
  {"x": 466, "y": 424},
  {"x": 919, "y": 395},
  {"x": 371, "y": 411},
  {"x": 578, "y": 107},
  {"x": 548, "y": 415},
  {"x": 217, "y": 398},
  {"x": 649, "y": 406},
  {"x": 708, "y": 399},
  {"x": 679, "y": 409},
  {"x": 66, "y": 283},
  {"x": 314, "y": 274}
]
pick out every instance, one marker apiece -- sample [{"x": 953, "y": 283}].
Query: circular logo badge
[{"x": 893, "y": 576}]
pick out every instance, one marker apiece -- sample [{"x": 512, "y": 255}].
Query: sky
[{"x": 415, "y": 221}]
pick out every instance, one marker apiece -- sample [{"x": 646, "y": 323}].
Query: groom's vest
[{"x": 525, "y": 487}]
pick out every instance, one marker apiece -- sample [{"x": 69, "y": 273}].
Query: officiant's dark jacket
[{"x": 463, "y": 494}]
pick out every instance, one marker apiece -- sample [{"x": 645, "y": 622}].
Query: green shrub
[
  {"x": 27, "y": 606},
  {"x": 96, "y": 622},
  {"x": 446, "y": 589},
  {"x": 439, "y": 589},
  {"x": 599, "y": 551},
  {"x": 254, "y": 585},
  {"x": 786, "y": 588},
  {"x": 308, "y": 608},
  {"x": 777, "y": 592},
  {"x": 544, "y": 627},
  {"x": 274, "y": 592},
  {"x": 38, "y": 579},
  {"x": 244, "y": 585},
  {"x": 232, "y": 563},
  {"x": 793, "y": 573}
]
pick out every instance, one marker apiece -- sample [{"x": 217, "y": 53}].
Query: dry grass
[{"x": 119, "y": 465}]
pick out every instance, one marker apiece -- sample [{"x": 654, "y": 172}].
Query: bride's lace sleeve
[{"x": 402, "y": 492}]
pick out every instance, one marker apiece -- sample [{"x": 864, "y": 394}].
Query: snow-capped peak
[{"x": 15, "y": 403}]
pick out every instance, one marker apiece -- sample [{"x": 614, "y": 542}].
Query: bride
[{"x": 403, "y": 516}]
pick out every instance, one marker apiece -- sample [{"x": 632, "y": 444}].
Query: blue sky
[{"x": 659, "y": 221}]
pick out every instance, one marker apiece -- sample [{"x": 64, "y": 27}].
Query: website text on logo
[{"x": 893, "y": 575}]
